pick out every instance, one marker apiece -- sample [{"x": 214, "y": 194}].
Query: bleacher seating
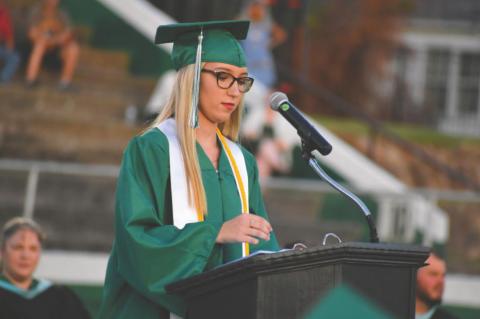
[{"x": 85, "y": 124}]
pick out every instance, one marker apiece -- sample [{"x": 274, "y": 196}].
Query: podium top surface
[{"x": 402, "y": 255}]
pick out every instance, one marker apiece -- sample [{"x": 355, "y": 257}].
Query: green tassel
[{"x": 196, "y": 83}]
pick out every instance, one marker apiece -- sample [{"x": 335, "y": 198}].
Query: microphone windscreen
[{"x": 276, "y": 99}]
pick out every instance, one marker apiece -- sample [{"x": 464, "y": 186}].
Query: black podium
[{"x": 287, "y": 284}]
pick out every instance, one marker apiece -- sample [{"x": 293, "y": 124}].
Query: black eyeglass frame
[{"x": 234, "y": 79}]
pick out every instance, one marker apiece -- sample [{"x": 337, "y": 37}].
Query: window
[
  {"x": 469, "y": 81},
  {"x": 437, "y": 80}
]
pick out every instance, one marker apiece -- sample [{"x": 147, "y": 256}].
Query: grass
[{"x": 413, "y": 133}]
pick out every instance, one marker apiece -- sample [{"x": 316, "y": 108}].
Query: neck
[
  {"x": 206, "y": 133},
  {"x": 20, "y": 283},
  {"x": 421, "y": 307}
]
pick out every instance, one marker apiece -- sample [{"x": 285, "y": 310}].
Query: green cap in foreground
[{"x": 343, "y": 302}]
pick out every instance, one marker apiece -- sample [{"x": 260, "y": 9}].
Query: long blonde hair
[{"x": 179, "y": 106}]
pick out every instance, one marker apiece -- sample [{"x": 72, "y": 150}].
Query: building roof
[{"x": 466, "y": 11}]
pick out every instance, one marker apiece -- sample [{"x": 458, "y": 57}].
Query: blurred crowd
[
  {"x": 49, "y": 36},
  {"x": 49, "y": 41}
]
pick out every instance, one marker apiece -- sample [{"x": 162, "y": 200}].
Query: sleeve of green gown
[
  {"x": 256, "y": 202},
  {"x": 152, "y": 254}
]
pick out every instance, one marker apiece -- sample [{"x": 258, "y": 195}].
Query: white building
[{"x": 436, "y": 72}]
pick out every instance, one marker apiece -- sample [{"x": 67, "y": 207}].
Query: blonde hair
[{"x": 179, "y": 105}]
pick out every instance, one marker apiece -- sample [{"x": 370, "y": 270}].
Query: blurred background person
[
  {"x": 430, "y": 286},
  {"x": 265, "y": 35},
  {"x": 259, "y": 128},
  {"x": 22, "y": 295},
  {"x": 8, "y": 56},
  {"x": 50, "y": 31}
]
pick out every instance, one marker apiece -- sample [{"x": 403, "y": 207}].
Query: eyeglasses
[{"x": 225, "y": 80}]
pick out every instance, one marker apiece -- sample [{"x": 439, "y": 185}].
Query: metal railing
[
  {"x": 296, "y": 205},
  {"x": 34, "y": 168}
]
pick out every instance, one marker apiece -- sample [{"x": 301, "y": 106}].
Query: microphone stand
[{"x": 311, "y": 155}]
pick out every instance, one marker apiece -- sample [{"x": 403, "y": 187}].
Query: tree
[{"x": 350, "y": 42}]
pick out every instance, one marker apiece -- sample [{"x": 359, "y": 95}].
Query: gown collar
[
  {"x": 37, "y": 287},
  {"x": 207, "y": 165}
]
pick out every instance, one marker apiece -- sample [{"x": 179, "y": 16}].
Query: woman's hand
[{"x": 244, "y": 228}]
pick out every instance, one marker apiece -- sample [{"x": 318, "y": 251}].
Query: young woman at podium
[{"x": 188, "y": 196}]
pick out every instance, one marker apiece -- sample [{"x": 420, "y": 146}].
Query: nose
[
  {"x": 234, "y": 89},
  {"x": 27, "y": 254},
  {"x": 24, "y": 254}
]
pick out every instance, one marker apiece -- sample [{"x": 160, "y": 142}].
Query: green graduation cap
[
  {"x": 196, "y": 42},
  {"x": 219, "y": 43},
  {"x": 344, "y": 302}
]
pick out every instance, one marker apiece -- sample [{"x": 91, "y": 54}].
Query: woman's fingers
[
  {"x": 250, "y": 240},
  {"x": 258, "y": 234},
  {"x": 260, "y": 223},
  {"x": 245, "y": 228}
]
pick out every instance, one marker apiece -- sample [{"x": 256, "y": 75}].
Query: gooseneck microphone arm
[
  {"x": 311, "y": 153},
  {"x": 314, "y": 163}
]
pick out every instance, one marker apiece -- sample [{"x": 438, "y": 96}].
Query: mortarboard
[
  {"x": 196, "y": 42},
  {"x": 344, "y": 302},
  {"x": 219, "y": 41}
]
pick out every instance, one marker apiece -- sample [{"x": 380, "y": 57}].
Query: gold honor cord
[
  {"x": 240, "y": 185},
  {"x": 200, "y": 216}
]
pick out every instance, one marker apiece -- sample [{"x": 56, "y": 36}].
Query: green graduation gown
[{"x": 149, "y": 252}]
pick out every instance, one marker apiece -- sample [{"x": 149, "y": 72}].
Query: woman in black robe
[{"x": 21, "y": 295}]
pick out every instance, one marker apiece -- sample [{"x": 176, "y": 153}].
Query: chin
[
  {"x": 23, "y": 275},
  {"x": 222, "y": 119},
  {"x": 429, "y": 299}
]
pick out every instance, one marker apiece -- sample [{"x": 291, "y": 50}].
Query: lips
[{"x": 229, "y": 106}]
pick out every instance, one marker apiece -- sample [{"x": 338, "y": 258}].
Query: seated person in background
[
  {"x": 430, "y": 285},
  {"x": 50, "y": 30},
  {"x": 8, "y": 56},
  {"x": 21, "y": 295}
]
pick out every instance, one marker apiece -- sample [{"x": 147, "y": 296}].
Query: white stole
[{"x": 183, "y": 212}]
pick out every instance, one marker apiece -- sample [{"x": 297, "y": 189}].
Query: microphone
[{"x": 279, "y": 102}]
